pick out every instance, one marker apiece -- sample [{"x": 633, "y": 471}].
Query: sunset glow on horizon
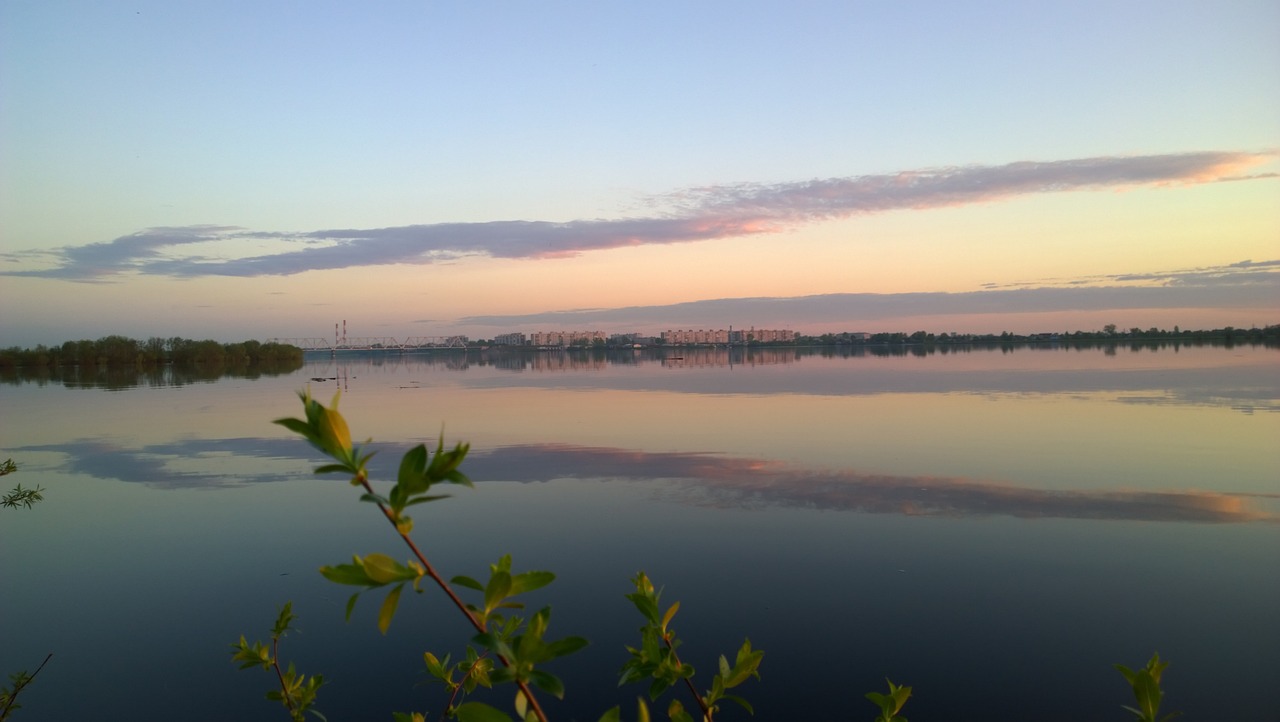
[{"x": 420, "y": 170}]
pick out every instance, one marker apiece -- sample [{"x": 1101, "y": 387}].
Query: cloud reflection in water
[
  {"x": 702, "y": 479},
  {"x": 720, "y": 481}
]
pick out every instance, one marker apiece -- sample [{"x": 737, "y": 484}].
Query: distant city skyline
[
  {"x": 566, "y": 338},
  {"x": 259, "y": 171}
]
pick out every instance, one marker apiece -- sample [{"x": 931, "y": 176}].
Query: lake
[{"x": 994, "y": 527}]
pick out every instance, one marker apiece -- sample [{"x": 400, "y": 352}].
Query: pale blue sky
[{"x": 287, "y": 120}]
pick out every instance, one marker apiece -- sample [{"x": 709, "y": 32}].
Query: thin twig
[{"x": 454, "y": 694}]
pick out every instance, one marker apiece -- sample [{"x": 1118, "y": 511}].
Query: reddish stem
[
  {"x": 284, "y": 688},
  {"x": 706, "y": 713}
]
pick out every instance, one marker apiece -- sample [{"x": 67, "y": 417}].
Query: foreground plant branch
[
  {"x": 656, "y": 658},
  {"x": 516, "y": 645},
  {"x": 688, "y": 682},
  {"x": 1145, "y": 682},
  {"x": 297, "y": 693},
  {"x": 20, "y": 681},
  {"x": 18, "y": 496},
  {"x": 400, "y": 522}
]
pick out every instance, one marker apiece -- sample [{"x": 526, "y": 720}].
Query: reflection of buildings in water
[
  {"x": 551, "y": 360},
  {"x": 565, "y": 361},
  {"x": 354, "y": 362},
  {"x": 505, "y": 360},
  {"x": 526, "y": 358},
  {"x": 556, "y": 359},
  {"x": 677, "y": 358}
]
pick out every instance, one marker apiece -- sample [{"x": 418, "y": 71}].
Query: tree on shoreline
[{"x": 121, "y": 352}]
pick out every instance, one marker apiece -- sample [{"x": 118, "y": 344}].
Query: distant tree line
[
  {"x": 1269, "y": 335},
  {"x": 123, "y": 352},
  {"x": 1110, "y": 334}
]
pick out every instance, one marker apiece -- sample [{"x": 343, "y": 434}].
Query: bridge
[{"x": 374, "y": 343}]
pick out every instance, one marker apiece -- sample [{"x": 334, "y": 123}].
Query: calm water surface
[{"x": 995, "y": 529}]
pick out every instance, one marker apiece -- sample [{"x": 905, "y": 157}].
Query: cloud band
[{"x": 692, "y": 215}]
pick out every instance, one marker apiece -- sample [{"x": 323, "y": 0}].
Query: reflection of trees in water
[
  {"x": 905, "y": 347},
  {"x": 520, "y": 360},
  {"x": 600, "y": 359},
  {"x": 117, "y": 377}
]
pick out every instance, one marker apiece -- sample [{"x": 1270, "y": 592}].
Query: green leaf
[
  {"x": 891, "y": 703},
  {"x": 283, "y": 620},
  {"x": 740, "y": 701},
  {"x": 1128, "y": 673},
  {"x": 457, "y": 477},
  {"x": 657, "y": 687},
  {"x": 568, "y": 645},
  {"x": 382, "y": 569},
  {"x": 348, "y": 574},
  {"x": 499, "y": 646},
  {"x": 351, "y": 605},
  {"x": 411, "y": 467},
  {"x": 648, "y": 606},
  {"x": 467, "y": 582},
  {"x": 478, "y": 673},
  {"x": 613, "y": 715},
  {"x": 445, "y": 463},
  {"x": 1145, "y": 682},
  {"x": 251, "y": 656},
  {"x": 676, "y": 712},
  {"x": 548, "y": 683},
  {"x": 425, "y": 499},
  {"x": 529, "y": 581},
  {"x": 747, "y": 666},
  {"x": 671, "y": 612},
  {"x": 388, "y": 609},
  {"x": 300, "y": 427},
  {"x": 479, "y": 712},
  {"x": 333, "y": 429},
  {"x": 498, "y": 589},
  {"x": 717, "y": 690},
  {"x": 436, "y": 667},
  {"x": 521, "y": 704},
  {"x": 1156, "y": 667},
  {"x": 502, "y": 675}
]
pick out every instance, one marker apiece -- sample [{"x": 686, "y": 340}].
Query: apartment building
[
  {"x": 509, "y": 339},
  {"x": 723, "y": 336},
  {"x": 567, "y": 338}
]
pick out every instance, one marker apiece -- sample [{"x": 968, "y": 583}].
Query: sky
[{"x": 237, "y": 170}]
